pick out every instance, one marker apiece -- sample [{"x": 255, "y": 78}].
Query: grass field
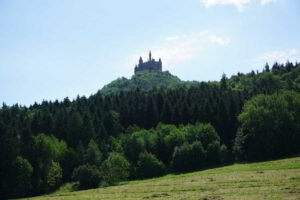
[{"x": 278, "y": 179}]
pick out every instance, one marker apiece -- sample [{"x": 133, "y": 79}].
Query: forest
[{"x": 116, "y": 135}]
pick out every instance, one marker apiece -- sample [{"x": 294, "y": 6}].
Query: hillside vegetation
[
  {"x": 148, "y": 126},
  {"x": 272, "y": 180},
  {"x": 143, "y": 80}
]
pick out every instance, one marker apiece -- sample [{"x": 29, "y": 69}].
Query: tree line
[{"x": 107, "y": 138}]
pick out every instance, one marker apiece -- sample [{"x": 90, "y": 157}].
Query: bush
[
  {"x": 175, "y": 138},
  {"x": 87, "y": 175},
  {"x": 21, "y": 179},
  {"x": 149, "y": 166},
  {"x": 54, "y": 176},
  {"x": 224, "y": 153},
  {"x": 205, "y": 133},
  {"x": 188, "y": 157},
  {"x": 213, "y": 153},
  {"x": 115, "y": 168},
  {"x": 46, "y": 150}
]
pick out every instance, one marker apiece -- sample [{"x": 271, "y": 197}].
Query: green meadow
[{"x": 274, "y": 180}]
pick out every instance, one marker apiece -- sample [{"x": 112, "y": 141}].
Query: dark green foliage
[
  {"x": 267, "y": 68},
  {"x": 87, "y": 175},
  {"x": 49, "y": 147},
  {"x": 9, "y": 151},
  {"x": 112, "y": 123},
  {"x": 93, "y": 155},
  {"x": 68, "y": 163},
  {"x": 21, "y": 177},
  {"x": 48, "y": 151},
  {"x": 54, "y": 176},
  {"x": 269, "y": 127},
  {"x": 115, "y": 168},
  {"x": 175, "y": 138},
  {"x": 224, "y": 154},
  {"x": 74, "y": 128},
  {"x": 162, "y": 142},
  {"x": 188, "y": 157},
  {"x": 200, "y": 127},
  {"x": 205, "y": 133},
  {"x": 214, "y": 153},
  {"x": 268, "y": 83},
  {"x": 149, "y": 166},
  {"x": 223, "y": 82},
  {"x": 133, "y": 146}
]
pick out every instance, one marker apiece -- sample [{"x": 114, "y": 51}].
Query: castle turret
[
  {"x": 141, "y": 60},
  {"x": 160, "y": 64},
  {"x": 150, "y": 56}
]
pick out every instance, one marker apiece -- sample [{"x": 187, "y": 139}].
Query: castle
[{"x": 151, "y": 64}]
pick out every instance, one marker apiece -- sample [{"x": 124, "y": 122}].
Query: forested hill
[
  {"x": 280, "y": 76},
  {"x": 143, "y": 132},
  {"x": 143, "y": 80}
]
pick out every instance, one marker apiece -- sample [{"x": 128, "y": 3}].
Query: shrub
[
  {"x": 224, "y": 153},
  {"x": 115, "y": 168},
  {"x": 54, "y": 176},
  {"x": 188, "y": 157},
  {"x": 21, "y": 179},
  {"x": 149, "y": 166},
  {"x": 205, "y": 133},
  {"x": 175, "y": 138},
  {"x": 213, "y": 153},
  {"x": 87, "y": 175}
]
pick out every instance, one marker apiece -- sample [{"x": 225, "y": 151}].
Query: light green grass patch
[{"x": 279, "y": 179}]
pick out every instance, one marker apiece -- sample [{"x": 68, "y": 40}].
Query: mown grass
[{"x": 279, "y": 179}]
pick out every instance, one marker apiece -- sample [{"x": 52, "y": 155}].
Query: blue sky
[{"x": 52, "y": 49}]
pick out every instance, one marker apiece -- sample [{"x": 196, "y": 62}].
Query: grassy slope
[{"x": 278, "y": 179}]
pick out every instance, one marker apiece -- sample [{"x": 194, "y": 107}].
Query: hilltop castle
[{"x": 151, "y": 64}]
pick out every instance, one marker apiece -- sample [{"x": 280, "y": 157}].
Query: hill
[
  {"x": 143, "y": 80},
  {"x": 248, "y": 117},
  {"x": 277, "y": 179},
  {"x": 279, "y": 77}
]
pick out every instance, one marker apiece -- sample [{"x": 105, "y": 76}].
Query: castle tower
[
  {"x": 150, "y": 56},
  {"x": 141, "y": 60},
  {"x": 160, "y": 64}
]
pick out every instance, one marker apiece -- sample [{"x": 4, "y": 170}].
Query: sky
[{"x": 53, "y": 49}]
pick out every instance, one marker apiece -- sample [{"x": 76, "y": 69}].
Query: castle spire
[
  {"x": 150, "y": 56},
  {"x": 141, "y": 60}
]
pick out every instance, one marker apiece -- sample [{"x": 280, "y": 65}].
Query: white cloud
[
  {"x": 239, "y": 4},
  {"x": 271, "y": 57},
  {"x": 180, "y": 48},
  {"x": 263, "y": 2},
  {"x": 218, "y": 40}
]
